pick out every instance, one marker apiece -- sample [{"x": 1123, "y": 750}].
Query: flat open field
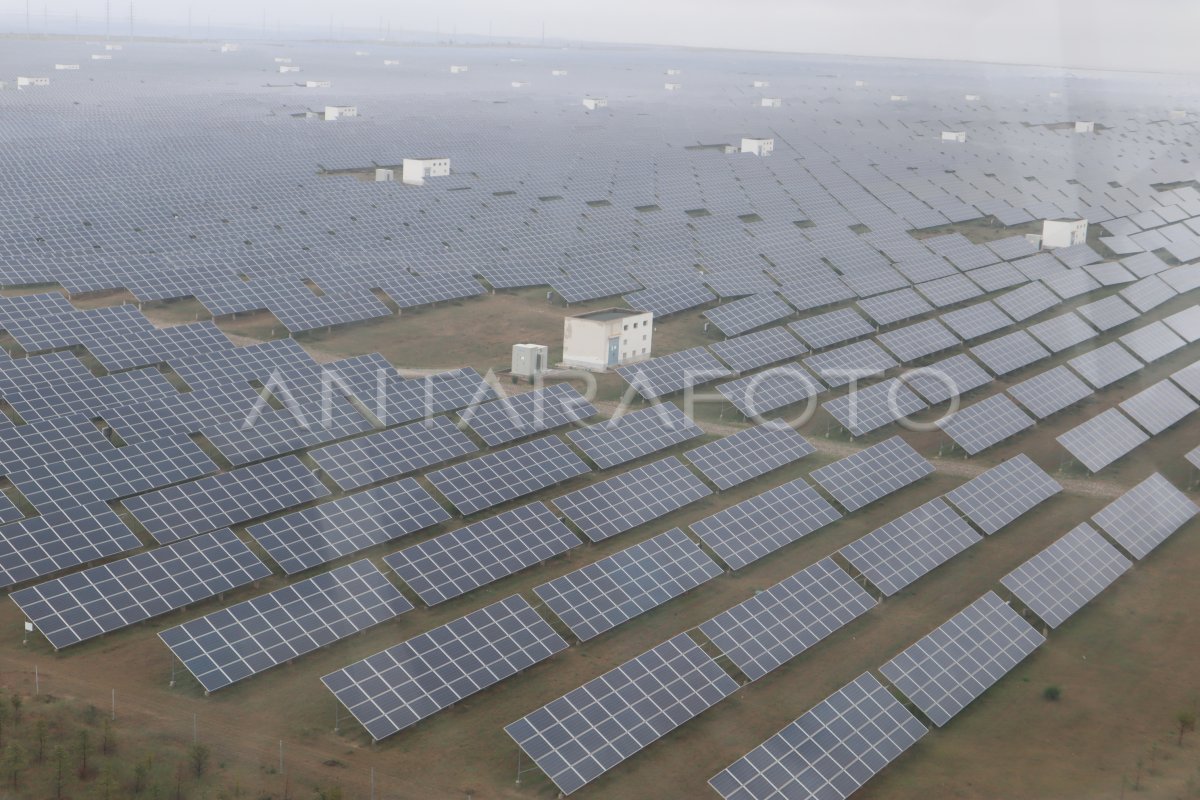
[{"x": 1125, "y": 663}]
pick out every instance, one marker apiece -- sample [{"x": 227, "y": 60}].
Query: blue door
[{"x": 614, "y": 350}]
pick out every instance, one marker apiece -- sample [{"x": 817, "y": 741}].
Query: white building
[
  {"x": 284, "y": 68},
  {"x": 337, "y": 112},
  {"x": 391, "y": 62},
  {"x": 118, "y": 47},
  {"x": 771, "y": 102},
  {"x": 66, "y": 66},
  {"x": 592, "y": 103},
  {"x": 225, "y": 48},
  {"x": 23, "y": 81},
  {"x": 416, "y": 170},
  {"x": 600, "y": 340},
  {"x": 455, "y": 69},
  {"x": 971, "y": 98},
  {"x": 954, "y": 136},
  {"x": 318, "y": 84},
  {"x": 283, "y": 59},
  {"x": 101, "y": 57},
  {"x": 759, "y": 147},
  {"x": 672, "y": 87},
  {"x": 383, "y": 174},
  {"x": 859, "y": 84},
  {"x": 674, "y": 71},
  {"x": 760, "y": 84},
  {"x": 1085, "y": 127},
  {"x": 558, "y": 73},
  {"x": 899, "y": 98},
  {"x": 519, "y": 84},
  {"x": 1064, "y": 232},
  {"x": 361, "y": 53}
]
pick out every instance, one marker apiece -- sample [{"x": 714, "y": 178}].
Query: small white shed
[
  {"x": 1064, "y": 232},
  {"x": 610, "y": 337}
]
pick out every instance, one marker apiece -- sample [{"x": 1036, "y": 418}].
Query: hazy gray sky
[{"x": 1121, "y": 34}]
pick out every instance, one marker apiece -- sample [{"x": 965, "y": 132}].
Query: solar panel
[
  {"x": 754, "y": 350},
  {"x": 1186, "y": 323},
  {"x": 1050, "y": 391},
  {"x": 319, "y": 534},
  {"x": 981, "y": 425},
  {"x": 870, "y": 474},
  {"x": 872, "y": 407},
  {"x": 829, "y": 752},
  {"x": 743, "y": 533},
  {"x": 896, "y": 554},
  {"x": 45, "y": 441},
  {"x": 503, "y": 475},
  {"x": 624, "y": 501},
  {"x": 454, "y": 563},
  {"x": 1189, "y": 379},
  {"x": 588, "y": 731},
  {"x": 510, "y": 418},
  {"x": 229, "y": 498},
  {"x": 995, "y": 498},
  {"x": 950, "y": 377},
  {"x": 1105, "y": 365},
  {"x": 390, "y": 453},
  {"x": 1108, "y": 313},
  {"x": 669, "y": 299},
  {"x": 1027, "y": 301},
  {"x": 1147, "y": 293},
  {"x": 1102, "y": 439},
  {"x": 779, "y": 623},
  {"x": 663, "y": 375},
  {"x": 58, "y": 540},
  {"x": 112, "y": 474},
  {"x": 1009, "y": 353},
  {"x": 1152, "y": 342},
  {"x": 602, "y": 595},
  {"x": 770, "y": 389},
  {"x": 103, "y": 599},
  {"x": 885, "y": 309},
  {"x": 634, "y": 434},
  {"x": 1143, "y": 517},
  {"x": 918, "y": 340},
  {"x": 245, "y": 639},
  {"x": 1062, "y": 332},
  {"x": 748, "y": 313},
  {"x": 947, "y": 669},
  {"x": 842, "y": 365},
  {"x": 749, "y": 453},
  {"x": 1061, "y": 579},
  {"x": 400, "y": 686},
  {"x": 1158, "y": 406}
]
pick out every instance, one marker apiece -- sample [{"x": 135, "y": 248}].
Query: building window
[{"x": 626, "y": 327}]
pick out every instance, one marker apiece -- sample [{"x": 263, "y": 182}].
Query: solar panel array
[
  {"x": 829, "y": 752},
  {"x": 947, "y": 669},
  {"x": 242, "y": 640},
  {"x": 749, "y": 453},
  {"x": 1003, "y": 493},
  {"x": 1059, "y": 580},
  {"x": 983, "y": 424},
  {"x": 870, "y": 474},
  {"x": 588, "y": 731},
  {"x": 398, "y": 687},
  {"x": 454, "y": 563},
  {"x": 500, "y": 421},
  {"x": 602, "y": 510},
  {"x": 896, "y": 554},
  {"x": 503, "y": 475},
  {"x": 634, "y": 434},
  {"x": 1102, "y": 439},
  {"x": 58, "y": 540},
  {"x": 600, "y": 596},
  {"x": 1143, "y": 517},
  {"x": 390, "y": 453},
  {"x": 780, "y": 622},
  {"x": 103, "y": 599}
]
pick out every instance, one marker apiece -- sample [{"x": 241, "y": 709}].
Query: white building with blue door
[{"x": 610, "y": 337}]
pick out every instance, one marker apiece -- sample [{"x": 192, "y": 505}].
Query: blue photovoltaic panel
[
  {"x": 780, "y": 622},
  {"x": 503, "y": 475},
  {"x": 521, "y": 415},
  {"x": 624, "y": 501},
  {"x": 602, "y": 595},
  {"x": 391, "y": 453},
  {"x": 102, "y": 599},
  {"x": 322, "y": 533},
  {"x": 588, "y": 731},
  {"x": 400, "y": 686},
  {"x": 57, "y": 540},
  {"x": 829, "y": 752},
  {"x": 634, "y": 434},
  {"x": 454, "y": 563},
  {"x": 749, "y": 453},
  {"x": 869, "y": 474},
  {"x": 243, "y": 640}
]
